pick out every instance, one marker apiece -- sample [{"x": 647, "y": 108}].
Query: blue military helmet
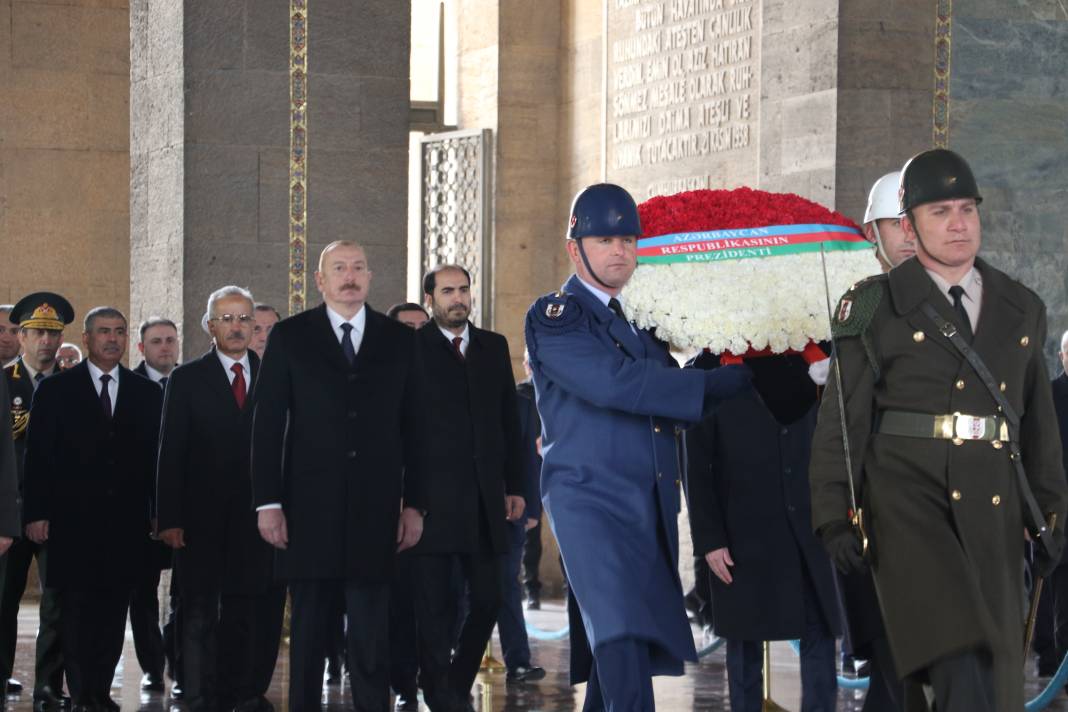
[{"x": 603, "y": 209}]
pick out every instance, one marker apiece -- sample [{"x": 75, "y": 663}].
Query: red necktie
[
  {"x": 456, "y": 341},
  {"x": 238, "y": 385}
]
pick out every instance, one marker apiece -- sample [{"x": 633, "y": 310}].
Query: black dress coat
[
  {"x": 9, "y": 488},
  {"x": 203, "y": 482},
  {"x": 1060, "y": 404},
  {"x": 748, "y": 490},
  {"x": 331, "y": 443},
  {"x": 160, "y": 555},
  {"x": 92, "y": 478},
  {"x": 474, "y": 455}
]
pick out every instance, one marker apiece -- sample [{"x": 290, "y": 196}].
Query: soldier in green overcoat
[{"x": 930, "y": 449}]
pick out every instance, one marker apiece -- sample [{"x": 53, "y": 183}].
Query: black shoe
[
  {"x": 45, "y": 699},
  {"x": 333, "y": 670},
  {"x": 407, "y": 702},
  {"x": 525, "y": 674},
  {"x": 533, "y": 602},
  {"x": 14, "y": 687},
  {"x": 177, "y": 693},
  {"x": 107, "y": 705},
  {"x": 152, "y": 682}
]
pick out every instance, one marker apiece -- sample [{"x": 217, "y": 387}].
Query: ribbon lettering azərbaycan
[{"x": 745, "y": 243}]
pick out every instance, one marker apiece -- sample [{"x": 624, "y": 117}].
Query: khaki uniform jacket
[{"x": 945, "y": 520}]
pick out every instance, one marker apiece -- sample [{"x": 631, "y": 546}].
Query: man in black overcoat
[
  {"x": 1053, "y": 609},
  {"x": 336, "y": 427},
  {"x": 90, "y": 455},
  {"x": 750, "y": 516},
  {"x": 472, "y": 485},
  {"x": 231, "y": 610},
  {"x": 158, "y": 345}
]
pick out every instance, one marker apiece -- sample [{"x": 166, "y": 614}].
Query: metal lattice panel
[{"x": 455, "y": 210}]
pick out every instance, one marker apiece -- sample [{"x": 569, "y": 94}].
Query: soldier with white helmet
[{"x": 882, "y": 223}]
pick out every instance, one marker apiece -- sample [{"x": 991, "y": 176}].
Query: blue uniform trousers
[
  {"x": 819, "y": 683},
  {"x": 621, "y": 679},
  {"x": 511, "y": 625}
]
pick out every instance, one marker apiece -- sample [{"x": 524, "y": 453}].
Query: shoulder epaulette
[
  {"x": 857, "y": 306},
  {"x": 555, "y": 312}
]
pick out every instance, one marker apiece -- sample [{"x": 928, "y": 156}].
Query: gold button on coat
[
  {"x": 960, "y": 385},
  {"x": 1024, "y": 341},
  {"x": 996, "y": 444},
  {"x": 918, "y": 336},
  {"x": 656, "y": 428},
  {"x": 955, "y": 494},
  {"x": 958, "y": 441},
  {"x": 1002, "y": 386},
  {"x": 995, "y": 500}
]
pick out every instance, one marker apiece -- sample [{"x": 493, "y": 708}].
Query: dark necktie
[
  {"x": 346, "y": 343},
  {"x": 957, "y": 292},
  {"x": 105, "y": 395},
  {"x": 163, "y": 382},
  {"x": 456, "y": 343},
  {"x": 616, "y": 308},
  {"x": 238, "y": 386},
  {"x": 37, "y": 378}
]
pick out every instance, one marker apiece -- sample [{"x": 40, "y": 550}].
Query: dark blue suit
[{"x": 610, "y": 400}]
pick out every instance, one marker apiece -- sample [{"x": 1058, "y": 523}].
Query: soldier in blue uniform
[{"x": 612, "y": 403}]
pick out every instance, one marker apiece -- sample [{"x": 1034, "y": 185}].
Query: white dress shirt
[
  {"x": 466, "y": 336},
  {"x": 153, "y": 375},
  {"x": 604, "y": 298},
  {"x": 359, "y": 322},
  {"x": 113, "y": 384},
  {"x": 228, "y": 365},
  {"x": 972, "y": 299}
]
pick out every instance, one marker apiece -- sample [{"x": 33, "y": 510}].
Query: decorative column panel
[
  {"x": 298, "y": 154},
  {"x": 455, "y": 210},
  {"x": 942, "y": 65}
]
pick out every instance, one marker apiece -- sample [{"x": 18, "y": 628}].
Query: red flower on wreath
[{"x": 699, "y": 210}]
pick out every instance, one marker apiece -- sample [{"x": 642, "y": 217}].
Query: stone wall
[
  {"x": 1008, "y": 112},
  {"x": 64, "y": 159},
  {"x": 211, "y": 179}
]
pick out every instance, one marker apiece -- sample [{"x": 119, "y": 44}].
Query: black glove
[
  {"x": 727, "y": 381},
  {"x": 1044, "y": 564},
  {"x": 843, "y": 546}
]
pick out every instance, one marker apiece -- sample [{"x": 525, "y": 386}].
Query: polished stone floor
[{"x": 702, "y": 688}]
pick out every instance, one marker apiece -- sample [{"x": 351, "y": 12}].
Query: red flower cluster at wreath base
[
  {"x": 706, "y": 210},
  {"x": 700, "y": 210}
]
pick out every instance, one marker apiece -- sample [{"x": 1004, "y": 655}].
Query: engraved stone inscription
[{"x": 682, "y": 94}]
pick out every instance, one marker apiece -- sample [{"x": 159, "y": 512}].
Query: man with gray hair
[
  {"x": 90, "y": 447},
  {"x": 231, "y": 611},
  {"x": 68, "y": 356}
]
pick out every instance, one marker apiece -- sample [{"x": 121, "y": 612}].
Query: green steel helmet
[
  {"x": 938, "y": 174},
  {"x": 604, "y": 209}
]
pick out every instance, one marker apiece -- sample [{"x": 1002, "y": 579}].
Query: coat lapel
[
  {"x": 996, "y": 311},
  {"x": 618, "y": 329},
  {"x": 910, "y": 287}
]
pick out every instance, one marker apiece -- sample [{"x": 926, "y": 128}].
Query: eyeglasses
[{"x": 231, "y": 318}]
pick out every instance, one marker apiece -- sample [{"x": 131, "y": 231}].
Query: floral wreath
[{"x": 741, "y": 272}]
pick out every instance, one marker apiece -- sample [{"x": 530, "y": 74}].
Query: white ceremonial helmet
[{"x": 883, "y": 198}]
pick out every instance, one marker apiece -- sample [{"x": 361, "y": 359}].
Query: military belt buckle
[{"x": 969, "y": 427}]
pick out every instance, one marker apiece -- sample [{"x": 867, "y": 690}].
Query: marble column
[{"x": 209, "y": 146}]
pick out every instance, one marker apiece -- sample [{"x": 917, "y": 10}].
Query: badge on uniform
[
  {"x": 554, "y": 310},
  {"x": 845, "y": 308}
]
